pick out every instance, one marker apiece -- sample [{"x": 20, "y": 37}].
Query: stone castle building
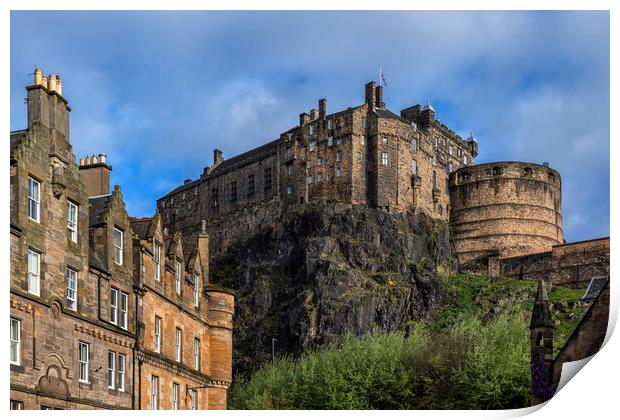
[
  {"x": 106, "y": 311},
  {"x": 370, "y": 156}
]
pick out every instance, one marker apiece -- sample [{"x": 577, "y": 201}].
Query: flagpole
[{"x": 380, "y": 75}]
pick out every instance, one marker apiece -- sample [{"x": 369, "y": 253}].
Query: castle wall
[
  {"x": 505, "y": 208},
  {"x": 568, "y": 265}
]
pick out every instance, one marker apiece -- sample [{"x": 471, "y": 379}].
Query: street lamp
[{"x": 273, "y": 349}]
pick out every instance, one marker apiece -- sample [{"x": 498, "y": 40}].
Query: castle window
[
  {"x": 72, "y": 219},
  {"x": 320, "y": 161},
  {"x": 251, "y": 185},
  {"x": 71, "y": 277},
  {"x": 385, "y": 140},
  {"x": 196, "y": 290},
  {"x": 435, "y": 159},
  {"x": 434, "y": 180},
  {"x": 414, "y": 145},
  {"x": 289, "y": 190},
  {"x": 496, "y": 171},
  {"x": 84, "y": 355},
  {"x": 289, "y": 151},
  {"x": 17, "y": 405},
  {"x": 121, "y": 372},
  {"x": 268, "y": 178},
  {"x": 308, "y": 164},
  {"x": 330, "y": 141},
  {"x": 196, "y": 353},
  {"x": 34, "y": 272},
  {"x": 175, "y": 396},
  {"x": 289, "y": 136},
  {"x": 310, "y": 179},
  {"x": 384, "y": 158},
  {"x": 312, "y": 129},
  {"x": 435, "y": 141},
  {"x": 319, "y": 177},
  {"x": 16, "y": 341},
  {"x": 184, "y": 195},
  {"x": 157, "y": 260},
  {"x": 450, "y": 167},
  {"x": 171, "y": 200},
  {"x": 464, "y": 159},
  {"x": 289, "y": 169},
  {"x": 414, "y": 167},
  {"x": 338, "y": 171},
  {"x": 450, "y": 150},
  {"x": 363, "y": 122},
  {"x": 196, "y": 191},
  {"x": 527, "y": 172},
  {"x": 338, "y": 141},
  {"x": 34, "y": 199},
  {"x": 330, "y": 124},
  {"x": 313, "y": 145},
  {"x": 194, "y": 398},
  {"x": 117, "y": 242},
  {"x": 214, "y": 197},
  {"x": 233, "y": 191},
  {"x": 363, "y": 140},
  {"x": 338, "y": 155}
]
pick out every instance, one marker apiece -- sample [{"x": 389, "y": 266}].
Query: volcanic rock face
[{"x": 326, "y": 271}]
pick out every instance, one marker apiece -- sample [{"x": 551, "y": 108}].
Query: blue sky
[{"x": 157, "y": 91}]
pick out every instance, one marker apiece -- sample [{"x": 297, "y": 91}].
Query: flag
[{"x": 382, "y": 77}]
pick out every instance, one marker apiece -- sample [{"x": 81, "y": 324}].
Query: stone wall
[{"x": 568, "y": 265}]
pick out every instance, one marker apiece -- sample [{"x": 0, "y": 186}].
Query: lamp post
[{"x": 273, "y": 349}]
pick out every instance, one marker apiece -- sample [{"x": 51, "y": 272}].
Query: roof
[
  {"x": 240, "y": 160},
  {"x": 141, "y": 227},
  {"x": 98, "y": 206},
  {"x": 596, "y": 286},
  {"x": 386, "y": 113},
  {"x": 541, "y": 315},
  {"x": 96, "y": 261},
  {"x": 181, "y": 188},
  {"x": 16, "y": 138}
]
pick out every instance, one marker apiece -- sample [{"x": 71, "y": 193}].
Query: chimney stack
[
  {"x": 379, "y": 97},
  {"x": 370, "y": 93},
  {"x": 51, "y": 84},
  {"x": 218, "y": 157},
  {"x": 95, "y": 174},
  {"x": 322, "y": 108},
  {"x": 304, "y": 118}
]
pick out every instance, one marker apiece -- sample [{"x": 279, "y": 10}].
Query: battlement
[{"x": 505, "y": 170}]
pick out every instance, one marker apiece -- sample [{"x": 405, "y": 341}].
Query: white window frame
[
  {"x": 338, "y": 155},
  {"x": 330, "y": 124},
  {"x": 289, "y": 190},
  {"x": 385, "y": 158},
  {"x": 363, "y": 140},
  {"x": 34, "y": 272},
  {"x": 34, "y": 199},
  {"x": 312, "y": 129},
  {"x": 122, "y": 360},
  {"x": 157, "y": 260},
  {"x": 178, "y": 345},
  {"x": 118, "y": 246},
  {"x": 114, "y": 305},
  {"x": 72, "y": 220},
  {"x": 111, "y": 369},
  {"x": 290, "y": 169},
  {"x": 338, "y": 172},
  {"x": 464, "y": 159},
  {"x": 72, "y": 294},
  {"x": 157, "y": 334},
  {"x": 196, "y": 289},
  {"x": 84, "y": 361},
  {"x": 154, "y": 392},
  {"x": 310, "y": 179},
  {"x": 197, "y": 353},
  {"x": 194, "y": 397},
  {"x": 414, "y": 167},
  {"x": 16, "y": 341},
  {"x": 313, "y": 145},
  {"x": 319, "y": 176},
  {"x": 124, "y": 304},
  {"x": 175, "y": 396},
  {"x": 177, "y": 277}
]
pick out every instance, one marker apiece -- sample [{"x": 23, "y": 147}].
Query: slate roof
[
  {"x": 596, "y": 286},
  {"x": 141, "y": 227},
  {"x": 386, "y": 113},
  {"x": 98, "y": 206},
  {"x": 240, "y": 160},
  {"x": 182, "y": 188}
]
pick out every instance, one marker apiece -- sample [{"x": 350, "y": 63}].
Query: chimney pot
[
  {"x": 102, "y": 157},
  {"x": 59, "y": 85},
  {"x": 52, "y": 83},
  {"x": 38, "y": 77},
  {"x": 379, "y": 97},
  {"x": 81, "y": 161},
  {"x": 304, "y": 118},
  {"x": 95, "y": 174},
  {"x": 370, "y": 93}
]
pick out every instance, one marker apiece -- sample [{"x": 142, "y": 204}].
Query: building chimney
[
  {"x": 314, "y": 114},
  {"x": 203, "y": 250},
  {"x": 379, "y": 97},
  {"x": 51, "y": 84},
  {"x": 370, "y": 93},
  {"x": 95, "y": 173},
  {"x": 304, "y": 118},
  {"x": 38, "y": 77},
  {"x": 58, "y": 85},
  {"x": 218, "y": 157},
  {"x": 322, "y": 108}
]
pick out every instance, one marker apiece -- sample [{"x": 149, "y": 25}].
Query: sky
[{"x": 158, "y": 91}]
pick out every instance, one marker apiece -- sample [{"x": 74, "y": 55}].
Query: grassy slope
[{"x": 472, "y": 353}]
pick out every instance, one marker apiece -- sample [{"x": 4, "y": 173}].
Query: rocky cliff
[{"x": 326, "y": 271}]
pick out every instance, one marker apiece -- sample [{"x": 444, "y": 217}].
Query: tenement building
[{"x": 106, "y": 311}]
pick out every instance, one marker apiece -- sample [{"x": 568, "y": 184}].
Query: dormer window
[
  {"x": 118, "y": 246},
  {"x": 157, "y": 260}
]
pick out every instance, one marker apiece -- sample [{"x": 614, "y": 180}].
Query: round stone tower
[{"x": 505, "y": 209}]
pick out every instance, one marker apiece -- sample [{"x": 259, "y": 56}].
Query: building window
[
  {"x": 157, "y": 260},
  {"x": 16, "y": 341},
  {"x": 289, "y": 169},
  {"x": 83, "y": 351},
  {"x": 196, "y": 289},
  {"x": 435, "y": 159},
  {"x": 363, "y": 140},
  {"x": 34, "y": 199},
  {"x": 338, "y": 171},
  {"x": 289, "y": 151},
  {"x": 312, "y": 129},
  {"x": 214, "y": 198},
  {"x": 71, "y": 289},
  {"x": 319, "y": 161},
  {"x": 313, "y": 145},
  {"x": 194, "y": 394},
  {"x": 363, "y": 122},
  {"x": 434, "y": 179},
  {"x": 118, "y": 246},
  {"x": 450, "y": 167},
  {"x": 450, "y": 150},
  {"x": 338, "y": 141},
  {"x": 384, "y": 140},
  {"x": 177, "y": 277},
  {"x": 157, "y": 334},
  {"x": 268, "y": 179},
  {"x": 414, "y": 145},
  {"x": 154, "y": 392},
  {"x": 464, "y": 159},
  {"x": 196, "y": 353},
  {"x": 34, "y": 272},
  {"x": 113, "y": 306},
  {"x": 289, "y": 190},
  {"x": 17, "y": 405},
  {"x": 233, "y": 191},
  {"x": 72, "y": 221},
  {"x": 310, "y": 179},
  {"x": 121, "y": 372},
  {"x": 124, "y": 303},
  {"x": 251, "y": 186},
  {"x": 111, "y": 369},
  {"x": 330, "y": 141},
  {"x": 414, "y": 167},
  {"x": 175, "y": 396},
  {"x": 330, "y": 124},
  {"x": 384, "y": 158},
  {"x": 338, "y": 155},
  {"x": 319, "y": 177},
  {"x": 178, "y": 344}
]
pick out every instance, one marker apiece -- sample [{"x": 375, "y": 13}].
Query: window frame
[
  {"x": 121, "y": 372},
  {"x": 385, "y": 159},
  {"x": 34, "y": 202},
  {"x": 118, "y": 248},
  {"x": 72, "y": 223},
  {"x": 123, "y": 309},
  {"x": 34, "y": 279},
  {"x": 157, "y": 334},
  {"x": 154, "y": 392},
  {"x": 194, "y": 398},
  {"x": 196, "y": 290},
  {"x": 178, "y": 285},
  {"x": 175, "y": 396},
  {"x": 72, "y": 303},
  {"x": 114, "y": 305},
  {"x": 197, "y": 353},
  {"x": 111, "y": 370},
  {"x": 178, "y": 345},
  {"x": 84, "y": 363},
  {"x": 157, "y": 260},
  {"x": 16, "y": 343}
]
